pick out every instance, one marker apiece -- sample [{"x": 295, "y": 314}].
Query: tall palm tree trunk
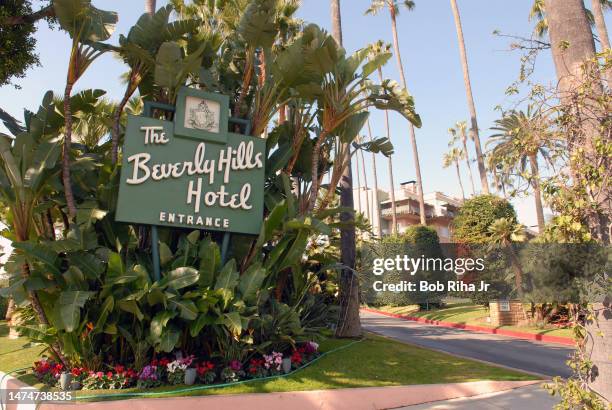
[
  {"x": 470, "y": 99},
  {"x": 150, "y": 6},
  {"x": 413, "y": 142},
  {"x": 376, "y": 204},
  {"x": 358, "y": 169},
  {"x": 349, "y": 324},
  {"x": 390, "y": 169},
  {"x": 602, "y": 32},
  {"x": 537, "y": 192},
  {"x": 568, "y": 24},
  {"x": 66, "y": 180},
  {"x": 469, "y": 166},
  {"x": 572, "y": 45},
  {"x": 459, "y": 178},
  {"x": 364, "y": 175}
]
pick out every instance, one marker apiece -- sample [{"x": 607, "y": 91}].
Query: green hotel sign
[{"x": 192, "y": 172}]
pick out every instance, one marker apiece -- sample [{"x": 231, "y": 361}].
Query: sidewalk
[
  {"x": 368, "y": 398},
  {"x": 530, "y": 397}
]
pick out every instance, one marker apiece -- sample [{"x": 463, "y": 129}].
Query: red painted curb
[{"x": 505, "y": 332}]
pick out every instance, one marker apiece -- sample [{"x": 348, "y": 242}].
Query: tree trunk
[
  {"x": 365, "y": 181},
  {"x": 376, "y": 204},
  {"x": 9, "y": 310},
  {"x": 459, "y": 178},
  {"x": 358, "y": 169},
  {"x": 571, "y": 40},
  {"x": 537, "y": 193},
  {"x": 131, "y": 87},
  {"x": 469, "y": 166},
  {"x": 413, "y": 142},
  {"x": 66, "y": 153},
  {"x": 599, "y": 345},
  {"x": 470, "y": 99},
  {"x": 602, "y": 33},
  {"x": 390, "y": 168},
  {"x": 572, "y": 45},
  {"x": 150, "y": 6},
  {"x": 349, "y": 324}
]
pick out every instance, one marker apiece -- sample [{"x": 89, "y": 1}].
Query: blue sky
[{"x": 431, "y": 60}]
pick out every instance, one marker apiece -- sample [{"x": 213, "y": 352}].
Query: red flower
[
  {"x": 163, "y": 362},
  {"x": 154, "y": 362},
  {"x": 296, "y": 357},
  {"x": 119, "y": 369},
  {"x": 76, "y": 372},
  {"x": 131, "y": 373},
  {"x": 109, "y": 375},
  {"x": 204, "y": 368}
]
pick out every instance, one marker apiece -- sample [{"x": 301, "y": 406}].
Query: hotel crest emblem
[{"x": 202, "y": 118}]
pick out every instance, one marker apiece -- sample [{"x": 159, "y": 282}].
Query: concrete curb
[{"x": 567, "y": 341}]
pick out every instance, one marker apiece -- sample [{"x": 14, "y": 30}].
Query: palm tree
[
  {"x": 453, "y": 157},
  {"x": 459, "y": 132},
  {"x": 394, "y": 7},
  {"x": 522, "y": 137},
  {"x": 470, "y": 99},
  {"x": 150, "y": 7},
  {"x": 350, "y": 325},
  {"x": 379, "y": 49},
  {"x": 376, "y": 204},
  {"x": 504, "y": 232}
]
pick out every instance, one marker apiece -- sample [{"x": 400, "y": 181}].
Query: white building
[{"x": 440, "y": 209}]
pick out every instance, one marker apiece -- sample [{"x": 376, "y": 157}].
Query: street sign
[{"x": 192, "y": 172}]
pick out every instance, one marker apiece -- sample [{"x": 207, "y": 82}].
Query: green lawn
[
  {"x": 470, "y": 314},
  {"x": 376, "y": 361},
  {"x": 17, "y": 353}
]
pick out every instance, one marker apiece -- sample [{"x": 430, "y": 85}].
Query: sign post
[{"x": 191, "y": 172}]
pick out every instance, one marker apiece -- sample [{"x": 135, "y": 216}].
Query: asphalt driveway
[{"x": 531, "y": 356}]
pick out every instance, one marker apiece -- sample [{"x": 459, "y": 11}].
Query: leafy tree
[
  {"x": 17, "y": 42},
  {"x": 477, "y": 215}
]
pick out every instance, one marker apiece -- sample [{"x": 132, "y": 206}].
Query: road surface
[{"x": 536, "y": 357}]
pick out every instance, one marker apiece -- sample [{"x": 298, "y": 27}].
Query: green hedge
[
  {"x": 471, "y": 225},
  {"x": 417, "y": 241}
]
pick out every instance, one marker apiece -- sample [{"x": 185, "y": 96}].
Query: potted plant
[{"x": 190, "y": 375}]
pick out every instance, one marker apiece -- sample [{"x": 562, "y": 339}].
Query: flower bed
[{"x": 175, "y": 370}]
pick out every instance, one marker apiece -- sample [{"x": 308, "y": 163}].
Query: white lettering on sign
[
  {"x": 194, "y": 220},
  {"x": 229, "y": 160},
  {"x": 152, "y": 136}
]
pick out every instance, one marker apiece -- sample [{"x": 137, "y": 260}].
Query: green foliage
[
  {"x": 17, "y": 42},
  {"x": 477, "y": 215},
  {"x": 416, "y": 242}
]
